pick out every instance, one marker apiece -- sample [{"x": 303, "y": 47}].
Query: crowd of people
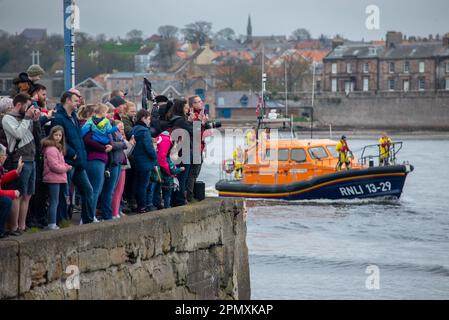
[{"x": 104, "y": 160}]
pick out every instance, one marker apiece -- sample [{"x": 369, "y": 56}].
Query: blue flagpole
[{"x": 68, "y": 45}]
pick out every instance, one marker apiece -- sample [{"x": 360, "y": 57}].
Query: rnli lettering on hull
[{"x": 351, "y": 191}]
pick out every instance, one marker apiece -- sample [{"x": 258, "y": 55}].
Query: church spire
[{"x": 249, "y": 31}]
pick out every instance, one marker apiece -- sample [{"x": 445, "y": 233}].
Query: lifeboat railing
[{"x": 371, "y": 154}]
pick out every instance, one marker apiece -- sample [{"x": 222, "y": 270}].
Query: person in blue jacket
[
  {"x": 76, "y": 155},
  {"x": 144, "y": 158}
]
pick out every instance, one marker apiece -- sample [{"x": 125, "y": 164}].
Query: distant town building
[
  {"x": 144, "y": 59},
  {"x": 34, "y": 35},
  {"x": 132, "y": 83},
  {"x": 91, "y": 90},
  {"x": 241, "y": 105},
  {"x": 397, "y": 65},
  {"x": 6, "y": 79},
  {"x": 236, "y": 104}
]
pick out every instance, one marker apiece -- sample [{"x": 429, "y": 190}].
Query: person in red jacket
[{"x": 6, "y": 196}]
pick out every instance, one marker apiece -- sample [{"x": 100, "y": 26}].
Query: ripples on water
[{"x": 321, "y": 249}]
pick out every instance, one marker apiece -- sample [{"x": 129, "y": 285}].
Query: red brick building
[{"x": 396, "y": 66}]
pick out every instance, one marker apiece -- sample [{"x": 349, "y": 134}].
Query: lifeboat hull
[{"x": 387, "y": 181}]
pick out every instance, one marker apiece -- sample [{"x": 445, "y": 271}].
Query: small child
[
  {"x": 118, "y": 192},
  {"x": 101, "y": 128},
  {"x": 99, "y": 125},
  {"x": 6, "y": 196},
  {"x": 55, "y": 171},
  {"x": 168, "y": 168}
]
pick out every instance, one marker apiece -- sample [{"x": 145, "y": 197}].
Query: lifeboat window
[
  {"x": 298, "y": 155},
  {"x": 282, "y": 155},
  {"x": 318, "y": 153},
  {"x": 333, "y": 152}
]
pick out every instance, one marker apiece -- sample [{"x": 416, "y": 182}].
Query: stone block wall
[
  {"x": 192, "y": 252},
  {"x": 410, "y": 111}
]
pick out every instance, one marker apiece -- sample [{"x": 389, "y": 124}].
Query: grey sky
[{"x": 281, "y": 17}]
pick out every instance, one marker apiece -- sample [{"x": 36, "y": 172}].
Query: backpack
[{"x": 10, "y": 162}]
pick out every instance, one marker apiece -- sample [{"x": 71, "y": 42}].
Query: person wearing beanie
[
  {"x": 35, "y": 72},
  {"x": 161, "y": 99}
]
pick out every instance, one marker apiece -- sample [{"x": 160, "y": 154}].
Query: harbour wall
[{"x": 197, "y": 251}]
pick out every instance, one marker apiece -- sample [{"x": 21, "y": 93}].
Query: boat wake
[{"x": 320, "y": 202}]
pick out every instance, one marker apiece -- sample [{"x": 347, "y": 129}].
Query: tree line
[{"x": 100, "y": 54}]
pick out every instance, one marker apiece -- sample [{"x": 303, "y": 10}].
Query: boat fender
[
  {"x": 408, "y": 167},
  {"x": 228, "y": 166}
]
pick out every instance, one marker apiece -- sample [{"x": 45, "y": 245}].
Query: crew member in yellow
[
  {"x": 238, "y": 159},
  {"x": 384, "y": 149},
  {"x": 343, "y": 150},
  {"x": 250, "y": 137}
]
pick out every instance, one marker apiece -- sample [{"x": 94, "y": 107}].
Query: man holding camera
[
  {"x": 197, "y": 115},
  {"x": 18, "y": 126}
]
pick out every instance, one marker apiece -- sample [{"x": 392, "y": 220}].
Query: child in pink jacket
[
  {"x": 168, "y": 168},
  {"x": 55, "y": 171}
]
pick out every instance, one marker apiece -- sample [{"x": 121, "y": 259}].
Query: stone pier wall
[{"x": 193, "y": 252}]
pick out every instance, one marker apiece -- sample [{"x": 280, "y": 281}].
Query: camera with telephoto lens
[{"x": 213, "y": 124}]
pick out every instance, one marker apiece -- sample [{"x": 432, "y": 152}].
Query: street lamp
[
  {"x": 313, "y": 82},
  {"x": 286, "y": 96}
]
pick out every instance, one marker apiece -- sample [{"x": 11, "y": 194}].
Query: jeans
[
  {"x": 55, "y": 190},
  {"x": 141, "y": 183},
  {"x": 5, "y": 210},
  {"x": 108, "y": 191},
  {"x": 151, "y": 193},
  {"x": 79, "y": 178},
  {"x": 95, "y": 172},
  {"x": 166, "y": 195},
  {"x": 179, "y": 197}
]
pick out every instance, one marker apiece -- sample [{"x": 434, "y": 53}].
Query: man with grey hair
[{"x": 5, "y": 105}]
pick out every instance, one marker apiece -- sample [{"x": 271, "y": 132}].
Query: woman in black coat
[{"x": 177, "y": 118}]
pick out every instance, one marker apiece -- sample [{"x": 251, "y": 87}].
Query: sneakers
[
  {"x": 142, "y": 210},
  {"x": 95, "y": 220},
  {"x": 52, "y": 226},
  {"x": 115, "y": 217},
  {"x": 15, "y": 233}
]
